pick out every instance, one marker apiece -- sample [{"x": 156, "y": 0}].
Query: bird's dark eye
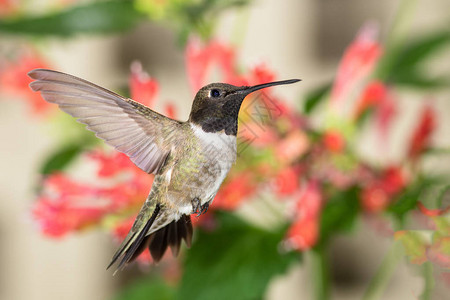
[{"x": 214, "y": 93}]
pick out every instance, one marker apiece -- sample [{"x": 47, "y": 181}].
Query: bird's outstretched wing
[{"x": 132, "y": 128}]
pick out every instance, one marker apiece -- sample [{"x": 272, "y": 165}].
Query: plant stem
[
  {"x": 429, "y": 281},
  {"x": 321, "y": 276},
  {"x": 384, "y": 273}
]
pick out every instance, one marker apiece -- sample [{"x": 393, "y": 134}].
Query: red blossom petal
[
  {"x": 258, "y": 135},
  {"x": 304, "y": 231},
  {"x": 377, "y": 95},
  {"x": 422, "y": 134},
  {"x": 372, "y": 95},
  {"x": 143, "y": 88},
  {"x": 303, "y": 234},
  {"x": 374, "y": 198},
  {"x": 171, "y": 110},
  {"x": 9, "y": 7},
  {"x": 57, "y": 218},
  {"x": 14, "y": 80},
  {"x": 292, "y": 147},
  {"x": 334, "y": 141},
  {"x": 393, "y": 180},
  {"x": 378, "y": 194},
  {"x": 358, "y": 60},
  {"x": 309, "y": 203},
  {"x": 111, "y": 163},
  {"x": 261, "y": 74},
  {"x": 200, "y": 59},
  {"x": 233, "y": 192},
  {"x": 287, "y": 182},
  {"x": 432, "y": 212}
]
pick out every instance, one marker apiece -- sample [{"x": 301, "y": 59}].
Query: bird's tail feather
[
  {"x": 170, "y": 235},
  {"x": 133, "y": 242}
]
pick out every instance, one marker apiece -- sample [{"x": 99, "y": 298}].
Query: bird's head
[{"x": 216, "y": 105}]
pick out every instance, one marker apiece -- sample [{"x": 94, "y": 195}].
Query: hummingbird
[{"x": 189, "y": 159}]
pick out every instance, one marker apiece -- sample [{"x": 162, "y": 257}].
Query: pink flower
[
  {"x": 9, "y": 7},
  {"x": 200, "y": 59},
  {"x": 292, "y": 147},
  {"x": 143, "y": 88},
  {"x": 287, "y": 181},
  {"x": 233, "y": 192},
  {"x": 422, "y": 134},
  {"x": 170, "y": 111},
  {"x": 66, "y": 205},
  {"x": 111, "y": 163},
  {"x": 334, "y": 141},
  {"x": 358, "y": 61},
  {"x": 378, "y": 194},
  {"x": 377, "y": 95},
  {"x": 258, "y": 135},
  {"x": 14, "y": 80},
  {"x": 57, "y": 218},
  {"x": 304, "y": 231}
]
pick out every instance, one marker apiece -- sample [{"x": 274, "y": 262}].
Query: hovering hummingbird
[{"x": 189, "y": 159}]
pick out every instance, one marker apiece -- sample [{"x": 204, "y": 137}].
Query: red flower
[
  {"x": 170, "y": 110},
  {"x": 292, "y": 147},
  {"x": 287, "y": 182},
  {"x": 234, "y": 191},
  {"x": 8, "y": 7},
  {"x": 303, "y": 234},
  {"x": 111, "y": 163},
  {"x": 14, "y": 80},
  {"x": 201, "y": 58},
  {"x": 432, "y": 212},
  {"x": 142, "y": 88},
  {"x": 372, "y": 95},
  {"x": 56, "y": 218},
  {"x": 66, "y": 205},
  {"x": 334, "y": 141},
  {"x": 358, "y": 60},
  {"x": 258, "y": 135},
  {"x": 421, "y": 137},
  {"x": 378, "y": 194},
  {"x": 304, "y": 231}
]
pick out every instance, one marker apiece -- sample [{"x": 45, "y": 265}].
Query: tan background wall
[{"x": 297, "y": 38}]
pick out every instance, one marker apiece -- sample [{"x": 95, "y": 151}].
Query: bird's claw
[
  {"x": 204, "y": 209},
  {"x": 198, "y": 208}
]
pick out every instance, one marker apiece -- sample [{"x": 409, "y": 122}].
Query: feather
[{"x": 132, "y": 128}]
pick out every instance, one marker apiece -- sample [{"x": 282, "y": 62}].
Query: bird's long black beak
[{"x": 250, "y": 89}]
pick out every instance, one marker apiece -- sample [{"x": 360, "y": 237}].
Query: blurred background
[{"x": 396, "y": 247}]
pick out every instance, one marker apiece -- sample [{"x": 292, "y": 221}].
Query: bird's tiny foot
[
  {"x": 204, "y": 208},
  {"x": 196, "y": 206}
]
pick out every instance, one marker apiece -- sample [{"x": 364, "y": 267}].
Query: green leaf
[
  {"x": 60, "y": 159},
  {"x": 235, "y": 261},
  {"x": 149, "y": 288},
  {"x": 315, "y": 97},
  {"x": 339, "y": 214},
  {"x": 403, "y": 65},
  {"x": 95, "y": 17},
  {"x": 408, "y": 199}
]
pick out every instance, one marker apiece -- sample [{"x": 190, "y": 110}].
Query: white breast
[{"x": 221, "y": 150}]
